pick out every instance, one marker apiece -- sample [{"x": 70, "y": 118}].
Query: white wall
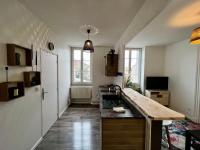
[
  {"x": 152, "y": 62},
  {"x": 64, "y": 74},
  {"x": 98, "y": 67},
  {"x": 20, "y": 119},
  {"x": 180, "y": 66}
]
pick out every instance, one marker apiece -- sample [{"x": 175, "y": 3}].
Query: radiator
[{"x": 81, "y": 94}]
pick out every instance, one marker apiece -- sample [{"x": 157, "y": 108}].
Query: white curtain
[{"x": 197, "y": 90}]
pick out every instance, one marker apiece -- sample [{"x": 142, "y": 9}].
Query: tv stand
[{"x": 161, "y": 96}]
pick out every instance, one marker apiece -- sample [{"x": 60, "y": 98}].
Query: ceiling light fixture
[
  {"x": 195, "y": 36},
  {"x": 88, "y": 46},
  {"x": 88, "y": 30}
]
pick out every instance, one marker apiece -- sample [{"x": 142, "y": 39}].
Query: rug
[{"x": 177, "y": 133}]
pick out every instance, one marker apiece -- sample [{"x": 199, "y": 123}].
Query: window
[
  {"x": 132, "y": 64},
  {"x": 81, "y": 67}
]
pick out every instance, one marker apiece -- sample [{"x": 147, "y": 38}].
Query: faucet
[{"x": 117, "y": 89}]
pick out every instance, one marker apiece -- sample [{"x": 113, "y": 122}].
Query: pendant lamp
[{"x": 88, "y": 46}]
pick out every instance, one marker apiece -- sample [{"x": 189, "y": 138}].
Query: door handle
[{"x": 43, "y": 93}]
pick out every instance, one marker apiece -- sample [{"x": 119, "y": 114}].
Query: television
[{"x": 157, "y": 83}]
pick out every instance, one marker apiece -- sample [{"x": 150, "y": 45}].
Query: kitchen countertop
[
  {"x": 109, "y": 113},
  {"x": 150, "y": 108},
  {"x": 130, "y": 111}
]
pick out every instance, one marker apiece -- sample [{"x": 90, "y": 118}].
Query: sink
[
  {"x": 109, "y": 104},
  {"x": 110, "y": 101},
  {"x": 110, "y": 97}
]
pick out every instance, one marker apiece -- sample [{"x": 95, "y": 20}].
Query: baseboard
[
  {"x": 193, "y": 119},
  {"x": 79, "y": 101},
  {"x": 37, "y": 143},
  {"x": 95, "y": 102},
  {"x": 61, "y": 113}
]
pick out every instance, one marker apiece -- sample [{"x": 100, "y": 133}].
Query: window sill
[{"x": 79, "y": 84}]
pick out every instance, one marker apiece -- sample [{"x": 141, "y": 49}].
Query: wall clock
[{"x": 50, "y": 46}]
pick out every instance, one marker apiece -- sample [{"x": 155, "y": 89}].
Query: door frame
[{"x": 52, "y": 53}]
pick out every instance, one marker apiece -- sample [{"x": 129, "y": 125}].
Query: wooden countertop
[{"x": 150, "y": 108}]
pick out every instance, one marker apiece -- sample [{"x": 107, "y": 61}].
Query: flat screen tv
[{"x": 157, "y": 83}]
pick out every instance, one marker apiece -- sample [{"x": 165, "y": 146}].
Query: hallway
[{"x": 77, "y": 129}]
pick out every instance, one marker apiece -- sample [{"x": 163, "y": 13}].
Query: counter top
[
  {"x": 130, "y": 112},
  {"x": 150, "y": 108},
  {"x": 109, "y": 113}
]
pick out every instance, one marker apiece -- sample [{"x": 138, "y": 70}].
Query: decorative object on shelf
[
  {"x": 35, "y": 79},
  {"x": 112, "y": 51},
  {"x": 89, "y": 30},
  {"x": 50, "y": 46},
  {"x": 15, "y": 57},
  {"x": 32, "y": 78},
  {"x": 11, "y": 90},
  {"x": 16, "y": 92},
  {"x": 195, "y": 36}
]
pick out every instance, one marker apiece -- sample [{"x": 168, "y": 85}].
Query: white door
[{"x": 49, "y": 90}]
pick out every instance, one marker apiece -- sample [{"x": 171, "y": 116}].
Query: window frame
[
  {"x": 139, "y": 62},
  {"x": 72, "y": 68}
]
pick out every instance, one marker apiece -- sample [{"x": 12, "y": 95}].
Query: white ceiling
[
  {"x": 65, "y": 17},
  {"x": 173, "y": 24}
]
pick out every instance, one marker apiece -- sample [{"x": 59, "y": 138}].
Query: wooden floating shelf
[
  {"x": 11, "y": 90},
  {"x": 18, "y": 55},
  {"x": 32, "y": 78}
]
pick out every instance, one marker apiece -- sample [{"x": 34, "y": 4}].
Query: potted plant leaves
[{"x": 129, "y": 84}]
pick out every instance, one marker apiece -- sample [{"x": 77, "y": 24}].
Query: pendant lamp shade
[
  {"x": 195, "y": 37},
  {"x": 88, "y": 46}
]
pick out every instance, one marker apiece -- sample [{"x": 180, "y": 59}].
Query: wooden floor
[{"x": 77, "y": 129}]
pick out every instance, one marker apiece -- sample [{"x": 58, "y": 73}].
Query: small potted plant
[{"x": 129, "y": 84}]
